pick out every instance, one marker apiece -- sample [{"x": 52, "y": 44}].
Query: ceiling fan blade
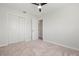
[
  {"x": 43, "y": 4},
  {"x": 36, "y": 4},
  {"x": 39, "y": 3}
]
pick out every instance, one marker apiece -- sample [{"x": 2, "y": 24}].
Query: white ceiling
[
  {"x": 33, "y": 10},
  {"x": 28, "y": 7}
]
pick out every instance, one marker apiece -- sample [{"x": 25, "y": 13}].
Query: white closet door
[
  {"x": 12, "y": 28},
  {"x": 21, "y": 29},
  {"x": 16, "y": 29},
  {"x": 24, "y": 29},
  {"x": 34, "y": 29},
  {"x": 27, "y": 29}
]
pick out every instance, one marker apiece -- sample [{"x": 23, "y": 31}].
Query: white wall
[
  {"x": 14, "y": 26},
  {"x": 62, "y": 26},
  {"x": 3, "y": 34}
]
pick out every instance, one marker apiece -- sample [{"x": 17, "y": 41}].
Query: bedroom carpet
[{"x": 36, "y": 48}]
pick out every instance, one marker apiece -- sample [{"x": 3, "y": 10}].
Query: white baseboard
[
  {"x": 62, "y": 45},
  {"x": 3, "y": 45},
  {"x": 6, "y": 44}
]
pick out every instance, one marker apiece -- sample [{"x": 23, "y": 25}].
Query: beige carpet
[{"x": 36, "y": 48}]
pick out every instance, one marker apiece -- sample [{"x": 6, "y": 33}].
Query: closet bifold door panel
[
  {"x": 34, "y": 26},
  {"x": 17, "y": 28},
  {"x": 12, "y": 28}
]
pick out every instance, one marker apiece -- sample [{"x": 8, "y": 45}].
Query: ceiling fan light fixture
[{"x": 39, "y": 7}]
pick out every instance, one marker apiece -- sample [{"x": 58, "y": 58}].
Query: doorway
[{"x": 40, "y": 29}]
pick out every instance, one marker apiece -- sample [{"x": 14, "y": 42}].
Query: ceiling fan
[{"x": 39, "y": 5}]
